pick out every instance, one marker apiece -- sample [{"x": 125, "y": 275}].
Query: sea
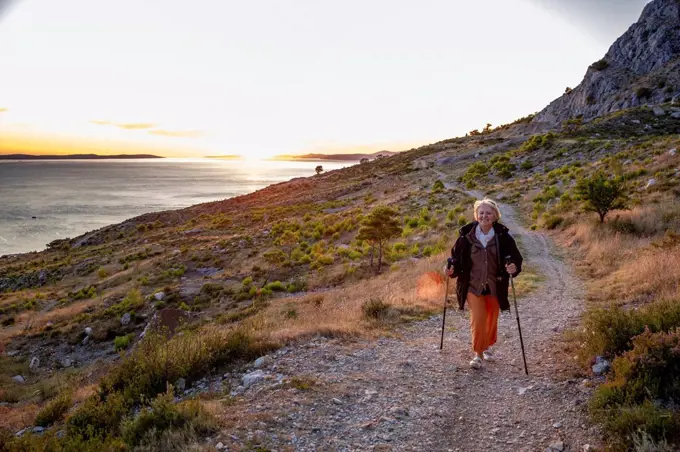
[{"x": 41, "y": 201}]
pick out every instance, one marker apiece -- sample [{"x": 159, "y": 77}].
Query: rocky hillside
[{"x": 641, "y": 67}]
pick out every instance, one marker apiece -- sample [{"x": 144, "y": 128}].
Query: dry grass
[
  {"x": 626, "y": 267},
  {"x": 339, "y": 312},
  {"x": 17, "y": 417}
]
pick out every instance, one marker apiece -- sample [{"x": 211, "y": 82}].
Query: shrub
[
  {"x": 156, "y": 360},
  {"x": 375, "y": 309},
  {"x": 643, "y": 92},
  {"x": 275, "y": 286},
  {"x": 54, "y": 411},
  {"x": 132, "y": 301},
  {"x": 102, "y": 272},
  {"x": 438, "y": 186},
  {"x": 609, "y": 332},
  {"x": 152, "y": 424},
  {"x": 122, "y": 342},
  {"x": 600, "y": 65},
  {"x": 645, "y": 380},
  {"x": 552, "y": 221}
]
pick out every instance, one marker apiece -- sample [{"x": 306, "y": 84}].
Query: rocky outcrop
[{"x": 641, "y": 67}]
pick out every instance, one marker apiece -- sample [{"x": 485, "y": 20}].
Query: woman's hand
[
  {"x": 449, "y": 272},
  {"x": 511, "y": 268}
]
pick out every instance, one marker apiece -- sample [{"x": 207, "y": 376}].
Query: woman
[{"x": 484, "y": 257}]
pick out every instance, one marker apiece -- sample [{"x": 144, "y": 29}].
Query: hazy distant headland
[
  {"x": 77, "y": 157},
  {"x": 342, "y": 157}
]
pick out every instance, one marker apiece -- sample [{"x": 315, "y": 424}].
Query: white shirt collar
[{"x": 484, "y": 238}]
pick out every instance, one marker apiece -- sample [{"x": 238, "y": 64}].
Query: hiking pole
[
  {"x": 446, "y": 293},
  {"x": 519, "y": 328}
]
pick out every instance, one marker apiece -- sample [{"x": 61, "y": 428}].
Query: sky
[{"x": 268, "y": 77}]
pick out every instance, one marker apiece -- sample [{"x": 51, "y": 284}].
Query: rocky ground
[{"x": 403, "y": 393}]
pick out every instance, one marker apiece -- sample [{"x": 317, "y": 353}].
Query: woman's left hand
[{"x": 511, "y": 268}]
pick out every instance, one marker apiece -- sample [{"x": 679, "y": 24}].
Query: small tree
[
  {"x": 288, "y": 241},
  {"x": 487, "y": 128},
  {"x": 378, "y": 228},
  {"x": 363, "y": 160},
  {"x": 438, "y": 186},
  {"x": 602, "y": 194},
  {"x": 318, "y": 169}
]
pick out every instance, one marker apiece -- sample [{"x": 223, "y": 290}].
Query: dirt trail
[{"x": 404, "y": 393}]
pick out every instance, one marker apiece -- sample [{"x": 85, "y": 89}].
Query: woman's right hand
[{"x": 449, "y": 272}]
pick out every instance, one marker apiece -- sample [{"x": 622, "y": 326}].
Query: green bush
[
  {"x": 643, "y": 390},
  {"x": 121, "y": 342},
  {"x": 375, "y": 309},
  {"x": 54, "y": 411},
  {"x": 438, "y": 186},
  {"x": 151, "y": 425},
  {"x": 132, "y": 301},
  {"x": 102, "y": 272},
  {"x": 552, "y": 221},
  {"x": 276, "y": 286},
  {"x": 609, "y": 332}
]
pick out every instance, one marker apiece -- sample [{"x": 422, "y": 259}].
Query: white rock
[
  {"x": 261, "y": 361},
  {"x": 18, "y": 379},
  {"x": 588, "y": 448},
  {"x": 86, "y": 340},
  {"x": 252, "y": 378},
  {"x": 675, "y": 115},
  {"x": 673, "y": 151},
  {"x": 556, "y": 446},
  {"x": 337, "y": 401},
  {"x": 557, "y": 425},
  {"x": 88, "y": 331},
  {"x": 65, "y": 362},
  {"x": 159, "y": 295},
  {"x": 658, "y": 111},
  {"x": 125, "y": 319},
  {"x": 38, "y": 429},
  {"x": 35, "y": 363},
  {"x": 650, "y": 183},
  {"x": 219, "y": 446}
]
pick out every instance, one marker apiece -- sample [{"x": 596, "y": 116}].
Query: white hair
[{"x": 490, "y": 203}]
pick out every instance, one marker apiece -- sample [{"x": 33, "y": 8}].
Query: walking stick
[
  {"x": 446, "y": 292},
  {"x": 519, "y": 328}
]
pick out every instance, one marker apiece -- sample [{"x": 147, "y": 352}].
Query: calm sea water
[{"x": 48, "y": 200}]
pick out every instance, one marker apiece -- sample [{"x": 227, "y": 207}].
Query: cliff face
[{"x": 641, "y": 67}]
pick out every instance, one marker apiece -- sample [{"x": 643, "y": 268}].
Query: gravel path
[{"x": 403, "y": 393}]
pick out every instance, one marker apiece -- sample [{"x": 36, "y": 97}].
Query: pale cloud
[
  {"x": 177, "y": 133},
  {"x": 126, "y": 126}
]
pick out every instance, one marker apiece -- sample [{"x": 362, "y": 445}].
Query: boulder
[
  {"x": 658, "y": 111},
  {"x": 252, "y": 378},
  {"x": 159, "y": 296},
  {"x": 125, "y": 319},
  {"x": 35, "y": 363},
  {"x": 88, "y": 331},
  {"x": 19, "y": 379}
]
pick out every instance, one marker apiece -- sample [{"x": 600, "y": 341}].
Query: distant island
[
  {"x": 77, "y": 157},
  {"x": 343, "y": 157},
  {"x": 225, "y": 157}
]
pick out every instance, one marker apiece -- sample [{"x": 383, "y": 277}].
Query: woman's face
[{"x": 486, "y": 215}]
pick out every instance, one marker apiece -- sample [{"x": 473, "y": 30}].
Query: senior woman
[{"x": 484, "y": 257}]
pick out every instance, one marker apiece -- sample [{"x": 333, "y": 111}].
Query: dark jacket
[{"x": 462, "y": 263}]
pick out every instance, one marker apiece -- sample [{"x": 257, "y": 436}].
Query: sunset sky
[{"x": 260, "y": 78}]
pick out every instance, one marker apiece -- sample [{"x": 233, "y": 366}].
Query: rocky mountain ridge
[{"x": 641, "y": 67}]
